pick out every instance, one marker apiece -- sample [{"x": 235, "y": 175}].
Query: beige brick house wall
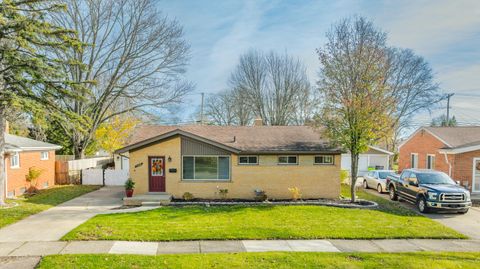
[{"x": 314, "y": 181}]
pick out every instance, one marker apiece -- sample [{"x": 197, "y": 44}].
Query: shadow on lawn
[{"x": 58, "y": 194}]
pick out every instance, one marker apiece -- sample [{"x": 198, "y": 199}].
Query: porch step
[
  {"x": 153, "y": 203},
  {"x": 148, "y": 199}
]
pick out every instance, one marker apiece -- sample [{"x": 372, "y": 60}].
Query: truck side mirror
[{"x": 458, "y": 182}]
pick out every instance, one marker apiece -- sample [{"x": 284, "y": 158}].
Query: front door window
[{"x": 157, "y": 167}]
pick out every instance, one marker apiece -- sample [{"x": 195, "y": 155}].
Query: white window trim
[
  {"x": 279, "y": 163},
  {"x": 41, "y": 155},
  {"x": 18, "y": 160},
  {"x": 433, "y": 163},
  {"x": 413, "y": 154},
  {"x": 248, "y": 156},
  {"x": 332, "y": 156},
  {"x": 206, "y": 180}
]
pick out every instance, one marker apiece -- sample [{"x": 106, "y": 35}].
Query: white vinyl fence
[
  {"x": 88, "y": 163},
  {"x": 96, "y": 177},
  {"x": 115, "y": 177}
]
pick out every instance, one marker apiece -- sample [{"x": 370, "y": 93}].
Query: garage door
[
  {"x": 365, "y": 161},
  {"x": 362, "y": 163}
]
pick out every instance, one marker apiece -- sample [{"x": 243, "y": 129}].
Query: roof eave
[
  {"x": 281, "y": 152},
  {"x": 381, "y": 150},
  {"x": 430, "y": 132},
  {"x": 459, "y": 150},
  {"x": 174, "y": 133}
]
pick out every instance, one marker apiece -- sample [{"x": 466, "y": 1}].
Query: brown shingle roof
[
  {"x": 456, "y": 137},
  {"x": 248, "y": 138}
]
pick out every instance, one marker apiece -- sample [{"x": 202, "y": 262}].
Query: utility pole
[
  {"x": 448, "y": 107},
  {"x": 201, "y": 110}
]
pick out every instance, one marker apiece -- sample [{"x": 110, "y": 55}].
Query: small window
[
  {"x": 287, "y": 160},
  {"x": 324, "y": 159},
  {"x": 45, "y": 184},
  {"x": 44, "y": 155},
  {"x": 430, "y": 161},
  {"x": 248, "y": 160},
  {"x": 15, "y": 160},
  {"x": 414, "y": 160}
]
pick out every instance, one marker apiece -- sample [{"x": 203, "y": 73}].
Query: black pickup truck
[{"x": 429, "y": 190}]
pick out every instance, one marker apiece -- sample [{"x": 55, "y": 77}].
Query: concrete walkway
[
  {"x": 52, "y": 224},
  {"x": 18, "y": 249}
]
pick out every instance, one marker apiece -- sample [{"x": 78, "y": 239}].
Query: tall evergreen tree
[{"x": 29, "y": 74}]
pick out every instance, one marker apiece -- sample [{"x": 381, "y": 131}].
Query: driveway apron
[
  {"x": 467, "y": 224},
  {"x": 54, "y": 223}
]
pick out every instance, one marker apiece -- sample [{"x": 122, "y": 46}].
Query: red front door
[{"x": 156, "y": 171}]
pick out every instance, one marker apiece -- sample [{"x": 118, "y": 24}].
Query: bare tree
[
  {"x": 410, "y": 79},
  {"x": 220, "y": 108},
  {"x": 272, "y": 84},
  {"x": 133, "y": 61},
  {"x": 229, "y": 107}
]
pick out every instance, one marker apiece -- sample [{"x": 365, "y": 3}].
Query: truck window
[{"x": 405, "y": 175}]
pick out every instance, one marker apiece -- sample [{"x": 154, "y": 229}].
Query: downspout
[{"x": 449, "y": 164}]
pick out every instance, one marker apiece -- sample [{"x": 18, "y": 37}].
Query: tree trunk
[
  {"x": 3, "y": 176},
  {"x": 353, "y": 174},
  {"x": 78, "y": 151}
]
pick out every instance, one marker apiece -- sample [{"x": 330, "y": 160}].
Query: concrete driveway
[
  {"x": 54, "y": 223},
  {"x": 467, "y": 224}
]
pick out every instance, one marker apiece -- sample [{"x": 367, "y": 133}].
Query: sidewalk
[
  {"x": 13, "y": 249},
  {"x": 52, "y": 224}
]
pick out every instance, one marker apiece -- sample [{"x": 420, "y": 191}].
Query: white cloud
[{"x": 430, "y": 26}]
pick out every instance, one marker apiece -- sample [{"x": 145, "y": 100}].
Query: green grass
[
  {"x": 263, "y": 222},
  {"x": 44, "y": 200},
  {"x": 268, "y": 260}
]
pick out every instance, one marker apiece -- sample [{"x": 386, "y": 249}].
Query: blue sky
[{"x": 446, "y": 33}]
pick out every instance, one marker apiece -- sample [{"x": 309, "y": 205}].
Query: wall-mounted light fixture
[{"x": 169, "y": 159}]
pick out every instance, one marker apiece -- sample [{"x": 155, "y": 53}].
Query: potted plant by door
[{"x": 129, "y": 186}]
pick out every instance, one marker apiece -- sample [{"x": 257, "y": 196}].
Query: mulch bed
[{"x": 324, "y": 202}]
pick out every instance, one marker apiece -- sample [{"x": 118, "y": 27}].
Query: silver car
[{"x": 377, "y": 179}]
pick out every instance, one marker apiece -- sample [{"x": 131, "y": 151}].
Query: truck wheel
[
  {"x": 365, "y": 184},
  {"x": 422, "y": 205},
  {"x": 379, "y": 188},
  {"x": 393, "y": 195},
  {"x": 463, "y": 211}
]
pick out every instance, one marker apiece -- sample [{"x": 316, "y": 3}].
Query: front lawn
[
  {"x": 262, "y": 222},
  {"x": 44, "y": 200},
  {"x": 268, "y": 260}
]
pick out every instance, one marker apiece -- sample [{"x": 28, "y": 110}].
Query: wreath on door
[{"x": 478, "y": 166}]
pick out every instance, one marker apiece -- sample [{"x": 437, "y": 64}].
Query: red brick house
[
  {"x": 23, "y": 153},
  {"x": 453, "y": 150}
]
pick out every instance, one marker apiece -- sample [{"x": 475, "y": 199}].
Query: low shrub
[
  {"x": 295, "y": 192},
  {"x": 187, "y": 196}
]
